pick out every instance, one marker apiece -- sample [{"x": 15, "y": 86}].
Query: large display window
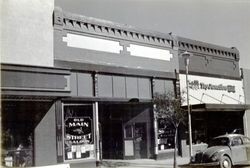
[
  {"x": 166, "y": 130},
  {"x": 78, "y": 131},
  {"x": 166, "y": 133}
]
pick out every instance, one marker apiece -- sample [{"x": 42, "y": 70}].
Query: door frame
[
  {"x": 94, "y": 121},
  {"x": 133, "y": 139}
]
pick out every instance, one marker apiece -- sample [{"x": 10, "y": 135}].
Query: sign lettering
[
  {"x": 78, "y": 130},
  {"x": 195, "y": 85}
]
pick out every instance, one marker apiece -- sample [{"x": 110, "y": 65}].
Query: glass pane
[
  {"x": 128, "y": 131},
  {"x": 78, "y": 132},
  {"x": 163, "y": 86},
  {"x": 166, "y": 133}
]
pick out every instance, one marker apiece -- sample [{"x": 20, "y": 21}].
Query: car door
[{"x": 239, "y": 153}]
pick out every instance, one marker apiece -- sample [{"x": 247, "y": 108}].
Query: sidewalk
[{"x": 146, "y": 163}]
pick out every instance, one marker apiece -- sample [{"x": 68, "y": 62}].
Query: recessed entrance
[
  {"x": 125, "y": 130},
  {"x": 140, "y": 140}
]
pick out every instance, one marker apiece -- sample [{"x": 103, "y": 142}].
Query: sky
[{"x": 221, "y": 22}]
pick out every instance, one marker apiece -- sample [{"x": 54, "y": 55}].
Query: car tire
[{"x": 225, "y": 162}]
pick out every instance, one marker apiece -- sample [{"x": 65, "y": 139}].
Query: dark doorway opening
[
  {"x": 112, "y": 144},
  {"x": 111, "y": 132}
]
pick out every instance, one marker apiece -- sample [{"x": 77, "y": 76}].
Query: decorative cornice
[
  {"x": 199, "y": 47},
  {"x": 92, "y": 26},
  {"x": 82, "y": 24}
]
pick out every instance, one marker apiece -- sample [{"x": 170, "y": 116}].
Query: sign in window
[{"x": 78, "y": 132}]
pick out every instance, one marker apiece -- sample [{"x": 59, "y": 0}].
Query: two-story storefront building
[
  {"x": 77, "y": 89},
  {"x": 216, "y": 92}
]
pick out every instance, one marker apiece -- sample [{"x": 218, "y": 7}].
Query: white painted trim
[
  {"x": 149, "y": 52},
  {"x": 91, "y": 43}
]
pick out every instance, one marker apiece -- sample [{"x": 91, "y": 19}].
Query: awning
[{"x": 218, "y": 107}]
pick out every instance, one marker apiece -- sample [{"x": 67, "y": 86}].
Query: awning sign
[{"x": 212, "y": 90}]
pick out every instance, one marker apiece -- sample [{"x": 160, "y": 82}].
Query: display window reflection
[
  {"x": 78, "y": 132},
  {"x": 166, "y": 133}
]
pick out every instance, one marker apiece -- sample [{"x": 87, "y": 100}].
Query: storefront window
[
  {"x": 78, "y": 132},
  {"x": 166, "y": 134}
]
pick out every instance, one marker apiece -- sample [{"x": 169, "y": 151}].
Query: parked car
[{"x": 225, "y": 151}]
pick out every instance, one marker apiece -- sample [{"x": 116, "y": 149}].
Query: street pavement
[
  {"x": 150, "y": 163},
  {"x": 143, "y": 163}
]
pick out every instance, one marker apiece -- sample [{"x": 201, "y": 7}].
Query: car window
[
  {"x": 246, "y": 140},
  {"x": 222, "y": 141},
  {"x": 236, "y": 141}
]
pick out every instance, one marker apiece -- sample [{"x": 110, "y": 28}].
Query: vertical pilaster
[
  {"x": 97, "y": 135},
  {"x": 95, "y": 80},
  {"x": 245, "y": 122},
  {"x": 155, "y": 123},
  {"x": 155, "y": 131},
  {"x": 96, "y": 118},
  {"x": 59, "y": 130},
  {"x": 58, "y": 18}
]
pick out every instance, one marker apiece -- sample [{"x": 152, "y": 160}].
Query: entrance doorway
[
  {"x": 140, "y": 140},
  {"x": 112, "y": 144},
  {"x": 125, "y": 130}
]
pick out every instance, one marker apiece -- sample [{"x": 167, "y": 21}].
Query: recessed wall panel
[
  {"x": 119, "y": 86},
  {"x": 105, "y": 86},
  {"x": 85, "y": 84},
  {"x": 73, "y": 84},
  {"x": 144, "y": 86},
  {"x": 132, "y": 87},
  {"x": 163, "y": 86},
  {"x": 159, "y": 86}
]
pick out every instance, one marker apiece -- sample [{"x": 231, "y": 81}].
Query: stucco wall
[
  {"x": 45, "y": 140},
  {"x": 246, "y": 79},
  {"x": 27, "y": 32},
  {"x": 246, "y": 82}
]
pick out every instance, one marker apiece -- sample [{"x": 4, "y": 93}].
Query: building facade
[
  {"x": 216, "y": 91},
  {"x": 82, "y": 89},
  {"x": 116, "y": 69}
]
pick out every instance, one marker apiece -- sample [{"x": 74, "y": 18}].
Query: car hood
[{"x": 213, "y": 149}]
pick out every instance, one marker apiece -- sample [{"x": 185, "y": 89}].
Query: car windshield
[{"x": 222, "y": 141}]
